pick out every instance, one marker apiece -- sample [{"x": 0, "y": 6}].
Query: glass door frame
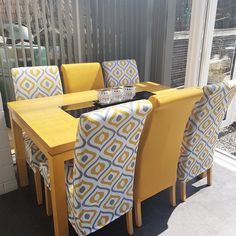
[{"x": 200, "y": 46}]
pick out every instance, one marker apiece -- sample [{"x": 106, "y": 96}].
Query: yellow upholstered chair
[
  {"x": 159, "y": 148},
  {"x": 82, "y": 77}
]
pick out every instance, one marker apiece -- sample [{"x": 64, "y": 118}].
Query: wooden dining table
[{"x": 54, "y": 132}]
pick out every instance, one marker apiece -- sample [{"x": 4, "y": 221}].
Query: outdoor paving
[{"x": 227, "y": 139}]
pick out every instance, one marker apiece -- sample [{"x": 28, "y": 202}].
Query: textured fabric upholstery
[
  {"x": 120, "y": 73},
  {"x": 33, "y": 155},
  {"x": 35, "y": 82},
  {"x": 82, "y": 77},
  {"x": 43, "y": 168},
  {"x": 100, "y": 186},
  {"x": 161, "y": 139},
  {"x": 202, "y": 130}
]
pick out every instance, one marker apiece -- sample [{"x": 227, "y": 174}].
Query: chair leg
[
  {"x": 172, "y": 190},
  {"x": 209, "y": 176},
  {"x": 48, "y": 200},
  {"x": 183, "y": 191},
  {"x": 38, "y": 187},
  {"x": 138, "y": 214},
  {"x": 203, "y": 175},
  {"x": 129, "y": 222}
]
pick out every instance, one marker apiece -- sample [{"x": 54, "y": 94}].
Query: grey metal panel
[
  {"x": 61, "y": 31},
  {"x": 112, "y": 30},
  {"x": 9, "y": 11},
  {"x": 21, "y": 34},
  {"x": 126, "y": 29},
  {"x": 106, "y": 29},
  {"x": 115, "y": 30},
  {"x": 148, "y": 50},
  {"x": 88, "y": 30},
  {"x": 81, "y": 33},
  {"x": 118, "y": 29},
  {"x": 4, "y": 45},
  {"x": 75, "y": 26},
  {"x": 97, "y": 33},
  {"x": 35, "y": 6},
  {"x": 52, "y": 28},
  {"x": 68, "y": 6},
  {"x": 94, "y": 36},
  {"x": 30, "y": 32},
  {"x": 168, "y": 42},
  {"x": 45, "y": 26},
  {"x": 122, "y": 29},
  {"x": 132, "y": 4},
  {"x": 98, "y": 30},
  {"x": 143, "y": 37},
  {"x": 159, "y": 24},
  {"x": 5, "y": 70}
]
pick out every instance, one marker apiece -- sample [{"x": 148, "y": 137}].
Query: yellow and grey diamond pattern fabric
[
  {"x": 100, "y": 181},
  {"x": 33, "y": 155},
  {"x": 35, "y": 82},
  {"x": 120, "y": 73},
  {"x": 104, "y": 164},
  {"x": 201, "y": 133}
]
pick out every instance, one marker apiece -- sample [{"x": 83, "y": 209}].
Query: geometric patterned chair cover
[
  {"x": 100, "y": 182},
  {"x": 35, "y": 82},
  {"x": 120, "y": 73},
  {"x": 201, "y": 133},
  {"x": 104, "y": 165}
]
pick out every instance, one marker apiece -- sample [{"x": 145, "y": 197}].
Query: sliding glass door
[
  {"x": 222, "y": 59},
  {"x": 212, "y": 46}
]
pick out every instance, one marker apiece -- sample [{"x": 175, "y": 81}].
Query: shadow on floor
[{"x": 20, "y": 215}]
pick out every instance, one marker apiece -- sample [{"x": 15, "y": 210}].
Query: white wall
[{"x": 7, "y": 174}]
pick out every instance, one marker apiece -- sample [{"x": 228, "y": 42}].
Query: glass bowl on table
[
  {"x": 117, "y": 94},
  {"x": 104, "y": 96},
  {"x": 129, "y": 92}
]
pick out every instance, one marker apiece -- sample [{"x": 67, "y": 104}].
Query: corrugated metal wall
[
  {"x": 67, "y": 31},
  {"x": 47, "y": 32}
]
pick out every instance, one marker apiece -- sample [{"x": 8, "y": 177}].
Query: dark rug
[
  {"x": 227, "y": 139},
  {"x": 208, "y": 211}
]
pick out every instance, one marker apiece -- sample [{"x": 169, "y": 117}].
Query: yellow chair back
[
  {"x": 82, "y": 77},
  {"x": 159, "y": 148}
]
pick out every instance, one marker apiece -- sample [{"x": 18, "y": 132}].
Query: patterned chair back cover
[
  {"x": 104, "y": 164},
  {"x": 35, "y": 82},
  {"x": 120, "y": 73},
  {"x": 201, "y": 133}
]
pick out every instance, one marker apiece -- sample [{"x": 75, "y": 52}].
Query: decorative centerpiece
[{"x": 116, "y": 95}]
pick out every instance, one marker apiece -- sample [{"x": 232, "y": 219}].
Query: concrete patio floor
[{"x": 207, "y": 211}]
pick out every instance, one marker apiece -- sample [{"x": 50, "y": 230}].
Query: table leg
[
  {"x": 20, "y": 153},
  {"x": 58, "y": 195}
]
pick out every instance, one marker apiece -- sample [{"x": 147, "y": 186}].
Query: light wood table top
[{"x": 55, "y": 128}]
